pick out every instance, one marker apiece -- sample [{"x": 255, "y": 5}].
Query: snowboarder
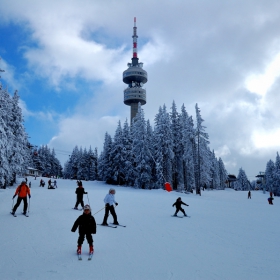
[
  {"x": 87, "y": 227},
  {"x": 22, "y": 191},
  {"x": 249, "y": 194},
  {"x": 80, "y": 191},
  {"x": 178, "y": 204},
  {"x": 109, "y": 206}
]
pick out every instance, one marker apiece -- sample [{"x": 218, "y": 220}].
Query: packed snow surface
[{"x": 227, "y": 236}]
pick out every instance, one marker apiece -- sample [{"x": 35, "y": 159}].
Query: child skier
[
  {"x": 80, "y": 191},
  {"x": 109, "y": 206},
  {"x": 87, "y": 227},
  {"x": 178, "y": 204},
  {"x": 22, "y": 191}
]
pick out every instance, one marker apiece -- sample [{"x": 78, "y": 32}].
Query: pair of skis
[
  {"x": 14, "y": 214},
  {"x": 89, "y": 256},
  {"x": 111, "y": 225},
  {"x": 180, "y": 216}
]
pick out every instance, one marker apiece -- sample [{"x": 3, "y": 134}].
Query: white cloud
[{"x": 216, "y": 54}]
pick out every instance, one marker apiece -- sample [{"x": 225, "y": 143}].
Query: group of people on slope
[{"x": 86, "y": 222}]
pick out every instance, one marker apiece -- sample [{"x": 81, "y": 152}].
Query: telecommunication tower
[{"x": 135, "y": 77}]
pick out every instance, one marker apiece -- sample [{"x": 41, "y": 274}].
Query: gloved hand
[
  {"x": 29, "y": 196},
  {"x": 116, "y": 204},
  {"x": 172, "y": 205},
  {"x": 107, "y": 205},
  {"x": 85, "y": 192},
  {"x": 14, "y": 196}
]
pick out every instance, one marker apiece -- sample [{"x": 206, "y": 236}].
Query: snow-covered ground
[{"x": 227, "y": 236}]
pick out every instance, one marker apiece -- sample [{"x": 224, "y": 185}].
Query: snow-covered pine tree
[
  {"x": 223, "y": 174},
  {"x": 202, "y": 169},
  {"x": 276, "y": 189},
  {"x": 129, "y": 176},
  {"x": 177, "y": 162},
  {"x": 140, "y": 151},
  {"x": 242, "y": 183},
  {"x": 19, "y": 153},
  {"x": 5, "y": 134},
  {"x": 82, "y": 173},
  {"x": 91, "y": 164},
  {"x": 104, "y": 161},
  {"x": 215, "y": 176},
  {"x": 164, "y": 139},
  {"x": 269, "y": 176},
  {"x": 188, "y": 137},
  {"x": 117, "y": 157}
]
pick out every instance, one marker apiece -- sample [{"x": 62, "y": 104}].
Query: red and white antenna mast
[{"x": 134, "y": 57}]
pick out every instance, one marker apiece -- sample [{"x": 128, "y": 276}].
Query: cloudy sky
[{"x": 66, "y": 59}]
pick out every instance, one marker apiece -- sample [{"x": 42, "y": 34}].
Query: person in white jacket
[{"x": 109, "y": 206}]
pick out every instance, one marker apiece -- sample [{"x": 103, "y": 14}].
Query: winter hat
[
  {"x": 87, "y": 207},
  {"x": 23, "y": 182},
  {"x": 112, "y": 190}
]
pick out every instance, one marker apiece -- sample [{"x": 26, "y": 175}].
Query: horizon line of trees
[{"x": 175, "y": 151}]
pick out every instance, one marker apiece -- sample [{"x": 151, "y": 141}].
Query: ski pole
[
  {"x": 88, "y": 200},
  {"x": 98, "y": 211}
]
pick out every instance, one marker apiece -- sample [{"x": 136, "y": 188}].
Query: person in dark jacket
[
  {"x": 87, "y": 227},
  {"x": 80, "y": 191},
  {"x": 178, "y": 204}
]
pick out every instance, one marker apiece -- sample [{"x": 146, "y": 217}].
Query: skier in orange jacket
[{"x": 22, "y": 191}]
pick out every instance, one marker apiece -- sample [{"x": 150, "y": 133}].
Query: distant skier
[
  {"x": 29, "y": 185},
  {"x": 109, "y": 207},
  {"x": 54, "y": 184},
  {"x": 270, "y": 200},
  {"x": 22, "y": 191},
  {"x": 49, "y": 184},
  {"x": 80, "y": 191},
  {"x": 87, "y": 227},
  {"x": 249, "y": 194},
  {"x": 178, "y": 204}
]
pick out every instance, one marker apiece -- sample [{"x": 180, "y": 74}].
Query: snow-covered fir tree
[
  {"x": 223, "y": 174},
  {"x": 188, "y": 147},
  {"x": 140, "y": 150},
  {"x": 242, "y": 183},
  {"x": 270, "y": 176},
  {"x": 203, "y": 154},
  {"x": 14, "y": 148}
]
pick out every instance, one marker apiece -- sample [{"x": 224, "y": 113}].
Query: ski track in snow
[{"x": 228, "y": 236}]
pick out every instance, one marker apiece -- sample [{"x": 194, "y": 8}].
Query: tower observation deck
[{"x": 135, "y": 77}]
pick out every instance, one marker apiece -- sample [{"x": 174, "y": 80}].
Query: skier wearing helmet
[
  {"x": 109, "y": 207},
  {"x": 87, "y": 227}
]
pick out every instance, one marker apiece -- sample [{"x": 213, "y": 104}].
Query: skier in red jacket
[{"x": 22, "y": 191}]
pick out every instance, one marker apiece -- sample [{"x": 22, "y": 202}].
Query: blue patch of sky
[{"x": 13, "y": 40}]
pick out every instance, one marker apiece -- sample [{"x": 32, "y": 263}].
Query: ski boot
[
  {"x": 91, "y": 249},
  {"x": 79, "y": 250}
]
